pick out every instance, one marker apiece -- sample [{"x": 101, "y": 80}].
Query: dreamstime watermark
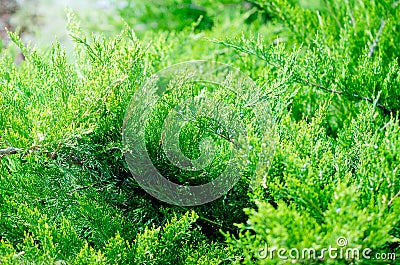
[
  {"x": 183, "y": 94},
  {"x": 338, "y": 251}
]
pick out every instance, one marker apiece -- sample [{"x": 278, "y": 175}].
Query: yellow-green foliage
[{"x": 329, "y": 70}]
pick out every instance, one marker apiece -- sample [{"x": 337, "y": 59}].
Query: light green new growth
[{"x": 330, "y": 72}]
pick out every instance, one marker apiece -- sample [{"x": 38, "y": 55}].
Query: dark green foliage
[{"x": 328, "y": 166}]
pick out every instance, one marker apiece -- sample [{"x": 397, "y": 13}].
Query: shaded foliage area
[{"x": 329, "y": 70}]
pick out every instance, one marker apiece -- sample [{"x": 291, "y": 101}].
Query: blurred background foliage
[{"x": 328, "y": 69}]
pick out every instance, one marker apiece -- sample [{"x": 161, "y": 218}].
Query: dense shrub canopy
[{"x": 329, "y": 72}]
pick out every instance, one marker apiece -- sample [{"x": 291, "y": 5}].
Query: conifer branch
[
  {"x": 355, "y": 96},
  {"x": 303, "y": 80},
  {"x": 83, "y": 188},
  {"x": 375, "y": 43},
  {"x": 392, "y": 200},
  {"x": 9, "y": 151}
]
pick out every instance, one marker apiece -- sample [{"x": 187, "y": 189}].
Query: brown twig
[
  {"x": 375, "y": 43},
  {"x": 321, "y": 87},
  {"x": 392, "y": 200},
  {"x": 52, "y": 155},
  {"x": 356, "y": 96},
  {"x": 9, "y": 151}
]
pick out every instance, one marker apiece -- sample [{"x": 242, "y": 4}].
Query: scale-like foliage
[{"x": 327, "y": 168}]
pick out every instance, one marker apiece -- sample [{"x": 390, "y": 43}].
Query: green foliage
[
  {"x": 327, "y": 168},
  {"x": 287, "y": 227},
  {"x": 319, "y": 190},
  {"x": 177, "y": 241},
  {"x": 174, "y": 14}
]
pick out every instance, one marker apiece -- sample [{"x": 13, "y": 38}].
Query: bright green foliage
[
  {"x": 287, "y": 227},
  {"x": 174, "y": 14},
  {"x": 327, "y": 168},
  {"x": 177, "y": 241}
]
